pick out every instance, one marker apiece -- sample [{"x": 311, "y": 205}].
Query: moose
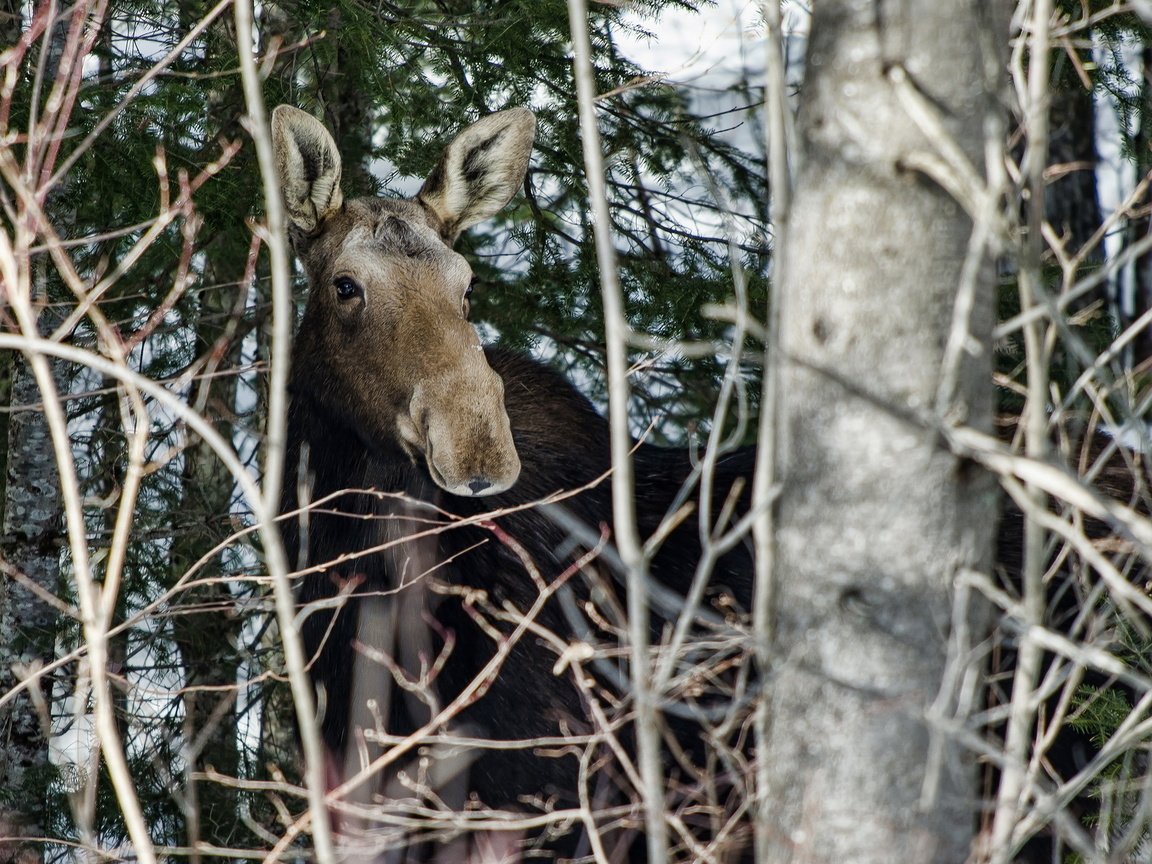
[{"x": 441, "y": 600}]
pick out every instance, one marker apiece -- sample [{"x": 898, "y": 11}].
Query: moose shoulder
[{"x": 402, "y": 428}]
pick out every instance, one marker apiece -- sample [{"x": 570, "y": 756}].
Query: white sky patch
[
  {"x": 691, "y": 46},
  {"x": 714, "y": 45}
]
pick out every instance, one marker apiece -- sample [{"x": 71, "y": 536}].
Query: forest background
[{"x": 133, "y": 208}]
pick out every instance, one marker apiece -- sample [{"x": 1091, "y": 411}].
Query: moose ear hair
[
  {"x": 309, "y": 167},
  {"x": 480, "y": 170}
]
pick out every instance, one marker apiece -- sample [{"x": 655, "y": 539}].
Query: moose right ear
[
  {"x": 309, "y": 167},
  {"x": 480, "y": 170}
]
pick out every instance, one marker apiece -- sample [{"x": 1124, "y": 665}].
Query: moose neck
[{"x": 333, "y": 455}]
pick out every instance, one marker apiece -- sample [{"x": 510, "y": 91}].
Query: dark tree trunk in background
[
  {"x": 876, "y": 515},
  {"x": 11, "y": 21},
  {"x": 346, "y": 113},
  {"x": 208, "y": 629},
  {"x": 1140, "y": 226},
  {"x": 1071, "y": 203}
]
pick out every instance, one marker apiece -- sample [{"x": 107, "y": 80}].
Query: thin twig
[
  {"x": 274, "y": 554},
  {"x": 623, "y": 489},
  {"x": 1009, "y": 798},
  {"x": 771, "y": 445}
]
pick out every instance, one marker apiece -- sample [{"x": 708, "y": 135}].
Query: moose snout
[
  {"x": 465, "y": 437},
  {"x": 472, "y": 461}
]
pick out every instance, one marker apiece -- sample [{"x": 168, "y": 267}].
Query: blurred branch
[
  {"x": 771, "y": 426},
  {"x": 623, "y": 487},
  {"x": 276, "y": 240}
]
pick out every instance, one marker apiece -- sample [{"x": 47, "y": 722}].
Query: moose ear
[
  {"x": 309, "y": 167},
  {"x": 480, "y": 170}
]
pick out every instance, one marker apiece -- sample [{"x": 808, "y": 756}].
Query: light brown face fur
[{"x": 385, "y": 337}]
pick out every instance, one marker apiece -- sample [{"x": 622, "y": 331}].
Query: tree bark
[
  {"x": 208, "y": 631},
  {"x": 876, "y": 516},
  {"x": 1140, "y": 225},
  {"x": 1071, "y": 202},
  {"x": 30, "y": 547}
]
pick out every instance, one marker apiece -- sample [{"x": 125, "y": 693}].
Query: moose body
[{"x": 403, "y": 432}]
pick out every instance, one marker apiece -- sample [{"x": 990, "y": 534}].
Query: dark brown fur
[{"x": 563, "y": 445}]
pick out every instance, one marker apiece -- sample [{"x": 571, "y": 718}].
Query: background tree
[
  {"x": 876, "y": 517},
  {"x": 32, "y": 511},
  {"x": 158, "y": 268}
]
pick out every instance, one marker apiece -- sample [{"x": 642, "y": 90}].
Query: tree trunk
[
  {"x": 30, "y": 547},
  {"x": 876, "y": 516},
  {"x": 1140, "y": 225},
  {"x": 1071, "y": 203},
  {"x": 346, "y": 112},
  {"x": 208, "y": 631}
]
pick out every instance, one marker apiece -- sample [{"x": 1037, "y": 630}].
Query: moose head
[{"x": 385, "y": 342}]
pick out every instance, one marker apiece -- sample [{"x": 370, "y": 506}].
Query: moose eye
[
  {"x": 346, "y": 288},
  {"x": 465, "y": 306}
]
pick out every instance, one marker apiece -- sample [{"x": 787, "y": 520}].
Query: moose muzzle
[{"x": 459, "y": 424}]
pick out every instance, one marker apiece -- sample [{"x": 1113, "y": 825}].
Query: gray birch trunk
[
  {"x": 30, "y": 546},
  {"x": 876, "y": 516}
]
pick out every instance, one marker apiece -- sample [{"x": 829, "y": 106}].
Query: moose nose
[{"x": 478, "y": 485}]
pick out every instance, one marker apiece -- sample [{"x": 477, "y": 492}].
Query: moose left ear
[
  {"x": 309, "y": 167},
  {"x": 480, "y": 170}
]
